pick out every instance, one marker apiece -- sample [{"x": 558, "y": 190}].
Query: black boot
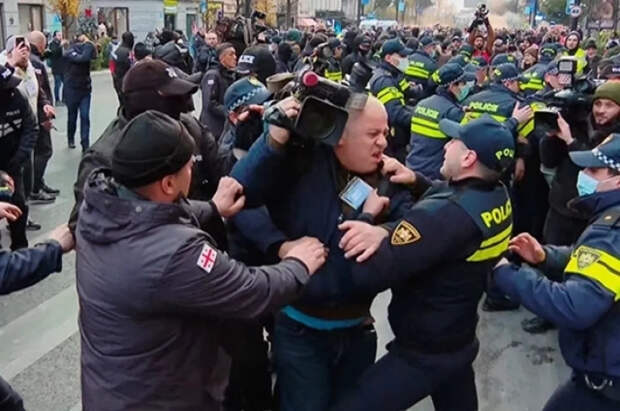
[
  {"x": 537, "y": 325},
  {"x": 49, "y": 190}
]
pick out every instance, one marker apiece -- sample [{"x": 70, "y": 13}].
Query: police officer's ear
[{"x": 469, "y": 159}]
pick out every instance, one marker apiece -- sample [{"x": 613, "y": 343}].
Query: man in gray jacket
[{"x": 153, "y": 287}]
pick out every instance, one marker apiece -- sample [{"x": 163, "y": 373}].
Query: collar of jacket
[
  {"x": 445, "y": 93},
  {"x": 593, "y": 205},
  {"x": 390, "y": 68},
  {"x": 226, "y": 72},
  {"x": 474, "y": 182},
  {"x": 501, "y": 88}
]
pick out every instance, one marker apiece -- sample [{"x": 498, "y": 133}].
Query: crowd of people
[{"x": 198, "y": 235}]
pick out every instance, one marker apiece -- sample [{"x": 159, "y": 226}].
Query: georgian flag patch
[{"x": 206, "y": 259}]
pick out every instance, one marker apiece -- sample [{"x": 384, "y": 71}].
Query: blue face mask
[
  {"x": 464, "y": 92},
  {"x": 586, "y": 184}
]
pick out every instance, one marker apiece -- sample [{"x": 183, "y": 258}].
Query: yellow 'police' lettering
[
  {"x": 482, "y": 106},
  {"x": 428, "y": 112},
  {"x": 507, "y": 152},
  {"x": 497, "y": 215},
  {"x": 417, "y": 64}
]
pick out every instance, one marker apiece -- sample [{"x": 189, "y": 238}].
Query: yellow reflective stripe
[
  {"x": 597, "y": 265},
  {"x": 427, "y": 123},
  {"x": 472, "y": 115},
  {"x": 418, "y": 68},
  {"x": 531, "y": 86},
  {"x": 488, "y": 253},
  {"x": 497, "y": 238},
  {"x": 333, "y": 75},
  {"x": 427, "y": 131},
  {"x": 525, "y": 129},
  {"x": 424, "y": 74},
  {"x": 390, "y": 93}
]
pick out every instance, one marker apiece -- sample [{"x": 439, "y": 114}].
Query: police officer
[
  {"x": 329, "y": 60},
  {"x": 421, "y": 62},
  {"x": 480, "y": 67},
  {"x": 389, "y": 85},
  {"x": 437, "y": 277},
  {"x": 533, "y": 78},
  {"x": 427, "y": 140},
  {"x": 585, "y": 305}
]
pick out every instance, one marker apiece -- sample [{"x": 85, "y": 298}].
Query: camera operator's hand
[
  {"x": 361, "y": 239},
  {"x": 308, "y": 250},
  {"x": 63, "y": 235},
  {"x": 522, "y": 113},
  {"x": 290, "y": 108},
  {"x": 228, "y": 198},
  {"x": 564, "y": 132},
  {"x": 9, "y": 211},
  {"x": 400, "y": 174},
  {"x": 528, "y": 248}
]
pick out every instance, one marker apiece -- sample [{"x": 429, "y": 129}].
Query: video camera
[
  {"x": 361, "y": 73},
  {"x": 573, "y": 102},
  {"x": 324, "y": 109},
  {"x": 480, "y": 15}
]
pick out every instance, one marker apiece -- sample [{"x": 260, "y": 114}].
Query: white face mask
[{"x": 403, "y": 63}]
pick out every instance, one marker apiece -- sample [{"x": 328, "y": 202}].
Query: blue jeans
[
  {"x": 79, "y": 103},
  {"x": 315, "y": 368},
  {"x": 58, "y": 78}
]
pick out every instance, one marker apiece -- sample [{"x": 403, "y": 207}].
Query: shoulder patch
[
  {"x": 206, "y": 259},
  {"x": 404, "y": 234},
  {"x": 586, "y": 256}
]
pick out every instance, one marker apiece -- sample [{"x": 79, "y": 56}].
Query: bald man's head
[{"x": 38, "y": 40}]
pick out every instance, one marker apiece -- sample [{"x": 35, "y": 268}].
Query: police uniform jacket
[
  {"x": 333, "y": 71},
  {"x": 153, "y": 289},
  {"x": 18, "y": 131},
  {"x": 436, "y": 260},
  {"x": 304, "y": 201},
  {"x": 535, "y": 76},
  {"x": 585, "y": 305},
  {"x": 389, "y": 85},
  {"x": 427, "y": 140},
  {"x": 421, "y": 67}
]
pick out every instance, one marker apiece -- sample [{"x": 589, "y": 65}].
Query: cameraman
[
  {"x": 482, "y": 47},
  {"x": 563, "y": 225},
  {"x": 324, "y": 341}
]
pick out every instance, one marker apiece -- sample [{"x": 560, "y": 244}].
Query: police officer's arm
[
  {"x": 556, "y": 258},
  {"x": 28, "y": 137},
  {"x": 23, "y": 268},
  {"x": 577, "y": 303},
  {"x": 210, "y": 93},
  {"x": 415, "y": 244},
  {"x": 202, "y": 280}
]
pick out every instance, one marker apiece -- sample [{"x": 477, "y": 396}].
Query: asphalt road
[{"x": 39, "y": 340}]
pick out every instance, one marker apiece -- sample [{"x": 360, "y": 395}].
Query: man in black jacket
[
  {"x": 121, "y": 63},
  {"x": 43, "y": 147},
  {"x": 18, "y": 135},
  {"x": 173, "y": 52},
  {"x": 214, "y": 85},
  {"x": 77, "y": 91},
  {"x": 58, "y": 65},
  {"x": 153, "y": 85},
  {"x": 361, "y": 46}
]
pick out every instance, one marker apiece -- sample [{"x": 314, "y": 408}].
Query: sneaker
[
  {"x": 49, "y": 189},
  {"x": 499, "y": 304},
  {"x": 41, "y": 197},
  {"x": 536, "y": 325},
  {"x": 32, "y": 226},
  {"x": 72, "y": 145}
]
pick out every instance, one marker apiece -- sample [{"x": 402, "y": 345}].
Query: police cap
[
  {"x": 395, "y": 46},
  {"x": 605, "y": 155}
]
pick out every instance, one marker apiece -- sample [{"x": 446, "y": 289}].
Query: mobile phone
[
  {"x": 19, "y": 40},
  {"x": 355, "y": 193}
]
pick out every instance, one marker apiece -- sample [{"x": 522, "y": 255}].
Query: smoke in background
[{"x": 443, "y": 12}]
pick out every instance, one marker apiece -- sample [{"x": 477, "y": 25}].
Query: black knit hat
[{"x": 152, "y": 146}]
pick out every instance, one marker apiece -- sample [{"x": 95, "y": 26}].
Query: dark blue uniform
[
  {"x": 421, "y": 67},
  {"x": 437, "y": 279},
  {"x": 18, "y": 270},
  {"x": 584, "y": 307},
  {"x": 427, "y": 140},
  {"x": 535, "y": 77},
  {"x": 389, "y": 85}
]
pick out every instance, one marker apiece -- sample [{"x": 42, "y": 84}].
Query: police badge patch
[
  {"x": 586, "y": 257},
  {"x": 405, "y": 234}
]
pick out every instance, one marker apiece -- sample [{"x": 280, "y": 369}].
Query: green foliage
[
  {"x": 103, "y": 54},
  {"x": 555, "y": 11}
]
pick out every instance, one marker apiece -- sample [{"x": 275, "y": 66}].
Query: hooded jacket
[{"x": 152, "y": 290}]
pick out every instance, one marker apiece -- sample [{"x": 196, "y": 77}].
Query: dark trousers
[
  {"x": 58, "y": 79},
  {"x": 575, "y": 396},
  {"x": 315, "y": 368},
  {"x": 249, "y": 387},
  {"x": 17, "y": 228},
  {"x": 28, "y": 175},
  {"x": 398, "y": 381},
  {"x": 42, "y": 154},
  {"x": 9, "y": 399},
  {"x": 75, "y": 103}
]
